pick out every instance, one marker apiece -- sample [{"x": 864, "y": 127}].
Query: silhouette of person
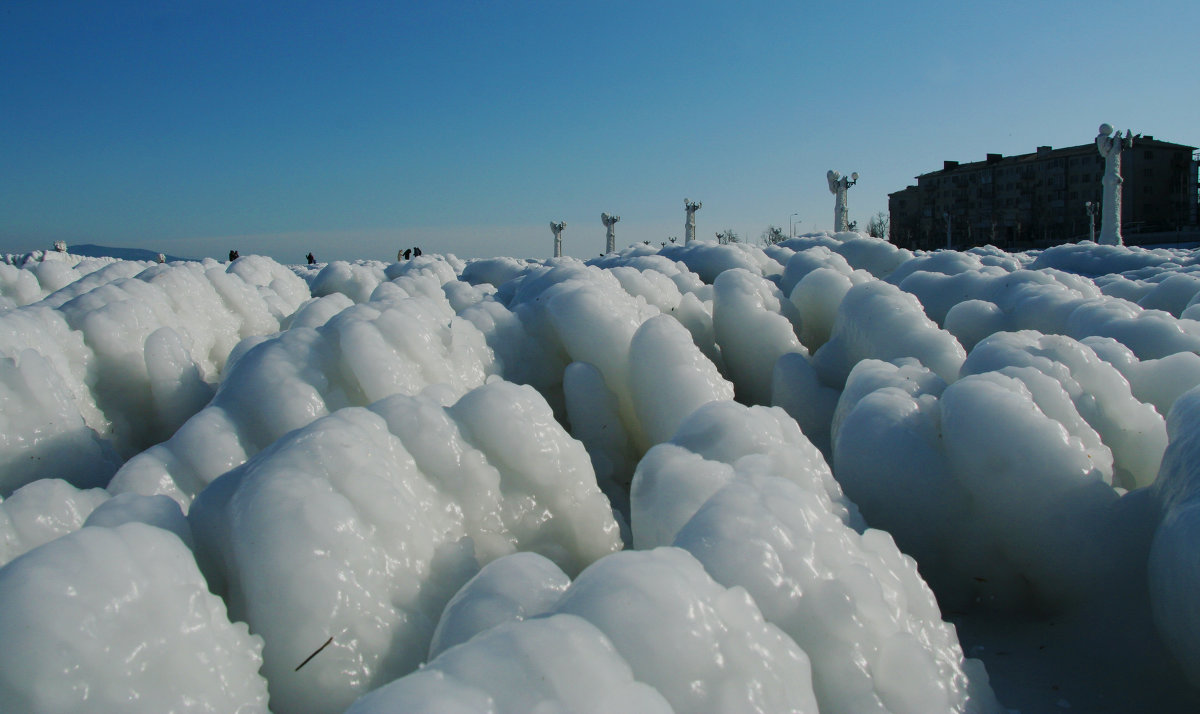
[
  {"x": 233, "y": 255},
  {"x": 311, "y": 259},
  {"x": 407, "y": 253},
  {"x": 416, "y": 251}
]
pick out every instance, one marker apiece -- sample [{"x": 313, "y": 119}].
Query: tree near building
[
  {"x": 878, "y": 225},
  {"x": 772, "y": 235}
]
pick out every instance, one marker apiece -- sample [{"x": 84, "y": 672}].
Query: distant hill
[{"x": 102, "y": 251}]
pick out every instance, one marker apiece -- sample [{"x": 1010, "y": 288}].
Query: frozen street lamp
[
  {"x": 1110, "y": 145},
  {"x": 557, "y": 229},
  {"x": 1091, "y": 210},
  {"x": 792, "y": 226},
  {"x": 689, "y": 224},
  {"x": 610, "y": 238},
  {"x": 838, "y": 185}
]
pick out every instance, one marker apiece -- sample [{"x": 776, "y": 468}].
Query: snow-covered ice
[{"x": 828, "y": 475}]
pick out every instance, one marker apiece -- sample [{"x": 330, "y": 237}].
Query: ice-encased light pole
[
  {"x": 610, "y": 236},
  {"x": 557, "y": 229},
  {"x": 689, "y": 225},
  {"x": 1091, "y": 207},
  {"x": 838, "y": 185},
  {"x": 1110, "y": 145}
]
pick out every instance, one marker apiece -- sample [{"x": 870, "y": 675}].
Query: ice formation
[{"x": 405, "y": 486}]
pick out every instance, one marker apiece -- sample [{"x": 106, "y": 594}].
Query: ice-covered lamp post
[
  {"x": 557, "y": 229},
  {"x": 838, "y": 185},
  {"x": 610, "y": 236},
  {"x": 792, "y": 225},
  {"x": 689, "y": 225},
  {"x": 1110, "y": 145},
  {"x": 1091, "y": 207}
]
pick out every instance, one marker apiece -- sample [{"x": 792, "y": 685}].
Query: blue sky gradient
[{"x": 354, "y": 129}]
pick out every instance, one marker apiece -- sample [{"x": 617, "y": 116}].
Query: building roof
[
  {"x": 1042, "y": 153},
  {"x": 1046, "y": 151}
]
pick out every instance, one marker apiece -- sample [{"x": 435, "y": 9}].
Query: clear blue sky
[{"x": 353, "y": 129}]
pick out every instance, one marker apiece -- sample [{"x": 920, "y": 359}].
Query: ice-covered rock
[{"x": 120, "y": 619}]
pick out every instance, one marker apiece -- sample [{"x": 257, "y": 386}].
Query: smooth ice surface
[
  {"x": 878, "y": 321},
  {"x": 42, "y": 511},
  {"x": 1174, "y": 558},
  {"x": 750, "y": 321},
  {"x": 511, "y": 588},
  {"x": 702, "y": 647},
  {"x": 705, "y": 648},
  {"x": 120, "y": 619},
  {"x": 556, "y": 664}
]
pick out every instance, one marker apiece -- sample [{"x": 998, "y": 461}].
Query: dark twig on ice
[{"x": 314, "y": 654}]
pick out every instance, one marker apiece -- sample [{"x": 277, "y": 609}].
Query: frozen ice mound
[
  {"x": 656, "y": 617},
  {"x": 358, "y": 528},
  {"x": 746, "y": 493},
  {"x": 120, "y": 619}
]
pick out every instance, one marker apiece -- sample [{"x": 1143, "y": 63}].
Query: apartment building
[{"x": 1040, "y": 199}]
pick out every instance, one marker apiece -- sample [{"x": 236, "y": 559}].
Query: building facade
[{"x": 1040, "y": 199}]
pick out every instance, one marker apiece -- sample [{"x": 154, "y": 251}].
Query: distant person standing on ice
[
  {"x": 311, "y": 259},
  {"x": 233, "y": 255}
]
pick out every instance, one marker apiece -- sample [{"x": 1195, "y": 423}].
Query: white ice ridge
[
  {"x": 746, "y": 493},
  {"x": 1174, "y": 564},
  {"x": 360, "y": 526},
  {"x": 655, "y": 617},
  {"x": 120, "y": 620},
  {"x": 365, "y": 352},
  {"x": 126, "y": 354}
]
